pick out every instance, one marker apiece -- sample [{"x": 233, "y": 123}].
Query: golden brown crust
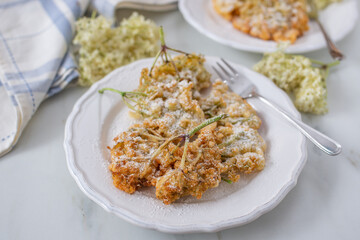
[
  {"x": 278, "y": 20},
  {"x": 226, "y": 148}
]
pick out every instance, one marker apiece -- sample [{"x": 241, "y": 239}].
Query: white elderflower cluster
[
  {"x": 296, "y": 74},
  {"x": 103, "y": 48}
]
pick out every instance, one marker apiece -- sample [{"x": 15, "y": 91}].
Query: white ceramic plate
[
  {"x": 338, "y": 19},
  {"x": 96, "y": 119},
  {"x": 159, "y": 2},
  {"x": 154, "y": 2}
]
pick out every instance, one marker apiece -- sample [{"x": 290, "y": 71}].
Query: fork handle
[
  {"x": 326, "y": 144},
  {"x": 334, "y": 51}
]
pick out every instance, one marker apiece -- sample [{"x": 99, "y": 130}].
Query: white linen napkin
[{"x": 34, "y": 39}]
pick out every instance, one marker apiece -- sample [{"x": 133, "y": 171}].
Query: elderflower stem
[
  {"x": 128, "y": 104},
  {"x": 206, "y": 123},
  {"x": 187, "y": 137},
  {"x": 93, "y": 14},
  {"x": 164, "y": 54},
  {"x": 156, "y": 58},
  {"x": 227, "y": 180},
  {"x": 194, "y": 131},
  {"x": 174, "y": 65},
  {"x": 317, "y": 62},
  {"x": 178, "y": 51},
  {"x": 333, "y": 64},
  {"x": 124, "y": 96},
  {"x": 182, "y": 164},
  {"x": 162, "y": 36},
  {"x": 326, "y": 65},
  {"x": 176, "y": 147},
  {"x": 163, "y": 45},
  {"x": 157, "y": 152},
  {"x": 101, "y": 91}
]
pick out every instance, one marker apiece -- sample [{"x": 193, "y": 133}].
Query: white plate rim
[
  {"x": 310, "y": 48},
  {"x": 156, "y": 2},
  {"x": 133, "y": 218}
]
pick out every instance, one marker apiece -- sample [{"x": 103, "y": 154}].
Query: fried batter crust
[
  {"x": 223, "y": 149},
  {"x": 279, "y": 20}
]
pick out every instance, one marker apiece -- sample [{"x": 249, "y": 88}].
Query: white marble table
[{"x": 40, "y": 200}]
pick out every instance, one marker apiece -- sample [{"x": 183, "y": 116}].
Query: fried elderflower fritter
[
  {"x": 185, "y": 143},
  {"x": 279, "y": 20}
]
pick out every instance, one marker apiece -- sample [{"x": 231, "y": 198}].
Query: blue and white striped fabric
[
  {"x": 105, "y": 7},
  {"x": 34, "y": 40}
]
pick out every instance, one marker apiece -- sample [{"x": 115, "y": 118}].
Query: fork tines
[{"x": 225, "y": 74}]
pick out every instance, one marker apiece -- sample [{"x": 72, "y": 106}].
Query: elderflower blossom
[
  {"x": 295, "y": 74},
  {"x": 103, "y": 48}
]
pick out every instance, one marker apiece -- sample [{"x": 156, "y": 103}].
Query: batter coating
[
  {"x": 160, "y": 150},
  {"x": 279, "y": 20}
]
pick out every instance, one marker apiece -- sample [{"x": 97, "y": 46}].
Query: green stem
[
  {"x": 176, "y": 147},
  {"x": 156, "y": 58},
  {"x": 317, "y": 62},
  {"x": 132, "y": 100},
  {"x": 195, "y": 130},
  {"x": 166, "y": 56},
  {"x": 152, "y": 136},
  {"x": 162, "y": 36},
  {"x": 189, "y": 135},
  {"x": 198, "y": 157},
  {"x": 93, "y": 14},
  {"x": 178, "y": 51},
  {"x": 157, "y": 152},
  {"x": 163, "y": 53},
  {"x": 333, "y": 64},
  {"x": 127, "y": 95},
  {"x": 154, "y": 132},
  {"x": 206, "y": 123},
  {"x": 325, "y": 73},
  {"x": 226, "y": 180},
  {"x": 101, "y": 91},
  {"x": 129, "y": 105},
  {"x": 182, "y": 164},
  {"x": 325, "y": 65},
  {"x": 174, "y": 65}
]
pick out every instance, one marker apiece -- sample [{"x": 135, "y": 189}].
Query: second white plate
[
  {"x": 96, "y": 119},
  {"x": 338, "y": 19}
]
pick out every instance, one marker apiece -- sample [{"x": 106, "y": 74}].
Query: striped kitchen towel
[{"x": 34, "y": 60}]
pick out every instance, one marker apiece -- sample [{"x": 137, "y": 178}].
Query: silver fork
[
  {"x": 246, "y": 89},
  {"x": 314, "y": 15}
]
